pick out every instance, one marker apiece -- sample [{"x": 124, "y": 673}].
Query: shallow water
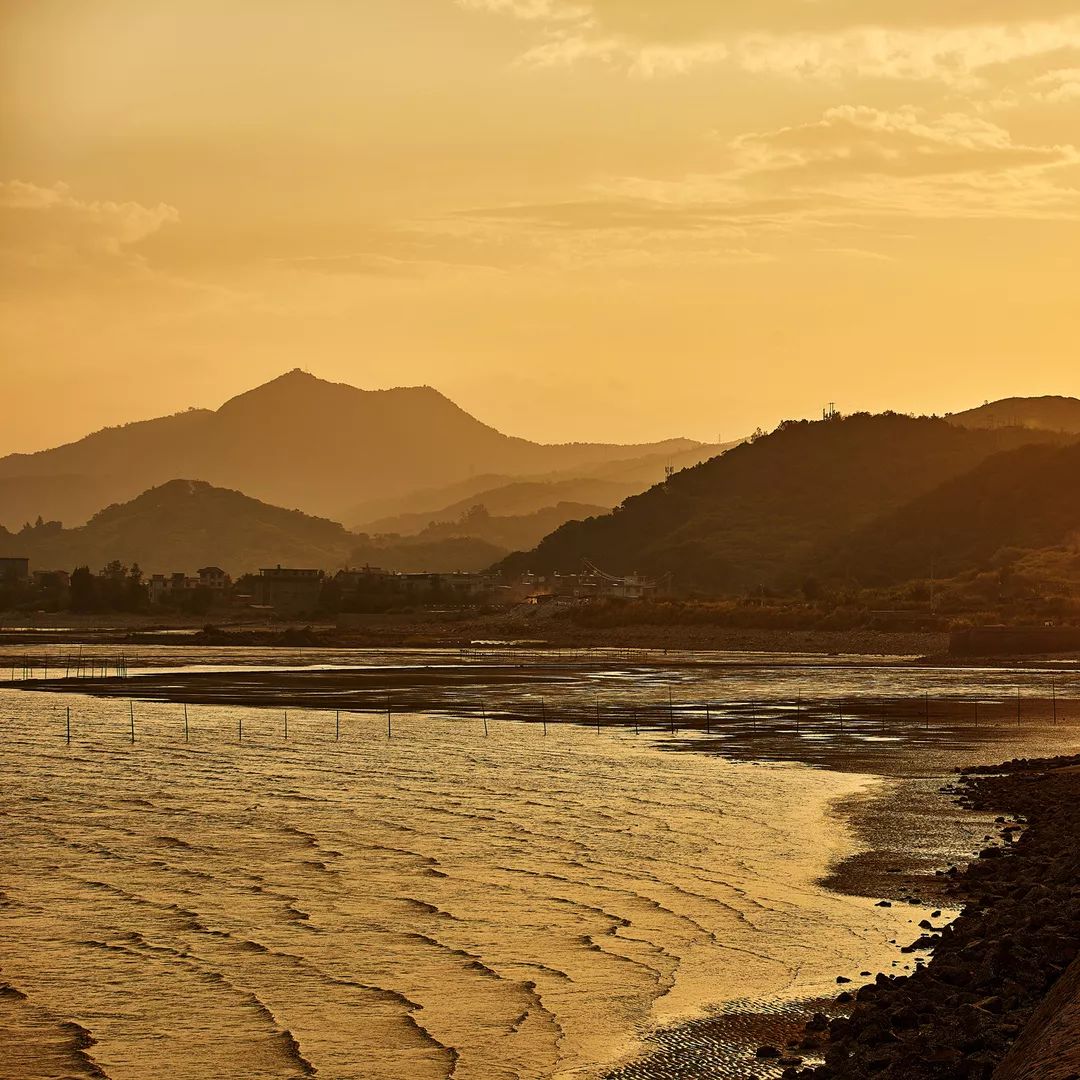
[{"x": 436, "y": 903}]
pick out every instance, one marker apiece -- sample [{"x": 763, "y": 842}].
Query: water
[{"x": 438, "y": 903}]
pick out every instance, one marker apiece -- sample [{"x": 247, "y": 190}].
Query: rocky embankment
[{"x": 1000, "y": 997}]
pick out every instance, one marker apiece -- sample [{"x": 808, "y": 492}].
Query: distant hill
[
  {"x": 770, "y": 511},
  {"x": 511, "y": 532},
  {"x": 296, "y": 441},
  {"x": 1041, "y": 413},
  {"x": 514, "y": 499},
  {"x": 183, "y": 525},
  {"x": 603, "y": 485},
  {"x": 416, "y": 555}
]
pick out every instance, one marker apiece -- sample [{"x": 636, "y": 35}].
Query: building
[
  {"x": 214, "y": 578},
  {"x": 365, "y": 575},
  {"x": 289, "y": 590},
  {"x": 161, "y": 586},
  {"x": 52, "y": 579},
  {"x": 14, "y": 567}
]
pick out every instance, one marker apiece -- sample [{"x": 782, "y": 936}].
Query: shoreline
[
  {"x": 989, "y": 996},
  {"x": 409, "y": 631}
]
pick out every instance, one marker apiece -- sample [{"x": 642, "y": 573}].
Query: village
[{"x": 291, "y": 592}]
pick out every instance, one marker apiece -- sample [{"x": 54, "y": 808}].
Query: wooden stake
[
  {"x": 286, "y": 723},
  {"x": 388, "y": 730},
  {"x": 187, "y": 734},
  {"x": 543, "y": 714},
  {"x": 131, "y": 712},
  {"x": 337, "y": 726},
  {"x": 69, "y": 725},
  {"x": 798, "y": 713},
  {"x": 597, "y": 714},
  {"x": 671, "y": 711},
  {"x": 1053, "y": 689},
  {"x": 1018, "y": 706},
  {"x": 708, "y": 720},
  {"x": 483, "y": 713}
]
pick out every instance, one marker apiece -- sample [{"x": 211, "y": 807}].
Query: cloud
[
  {"x": 47, "y": 228},
  {"x": 841, "y": 181},
  {"x": 857, "y": 140},
  {"x": 923, "y": 39},
  {"x": 1058, "y": 86}
]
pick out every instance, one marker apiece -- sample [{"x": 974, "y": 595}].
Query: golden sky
[{"x": 581, "y": 219}]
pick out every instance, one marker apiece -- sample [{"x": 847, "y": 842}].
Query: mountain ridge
[{"x": 296, "y": 440}]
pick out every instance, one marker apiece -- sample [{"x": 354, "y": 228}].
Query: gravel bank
[{"x": 987, "y": 986}]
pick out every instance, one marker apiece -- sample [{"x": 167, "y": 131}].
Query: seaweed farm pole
[
  {"x": 286, "y": 723},
  {"x": 337, "y": 726},
  {"x": 1053, "y": 691},
  {"x": 841, "y": 711},
  {"x": 798, "y": 713},
  {"x": 926, "y": 708},
  {"x": 483, "y": 713},
  {"x": 671, "y": 711},
  {"x": 187, "y": 732},
  {"x": 1018, "y": 706},
  {"x": 69, "y": 725},
  {"x": 543, "y": 714},
  {"x": 976, "y": 714},
  {"x": 597, "y": 714},
  {"x": 389, "y": 732},
  {"x": 636, "y": 720},
  {"x": 240, "y": 728},
  {"x": 131, "y": 713}
]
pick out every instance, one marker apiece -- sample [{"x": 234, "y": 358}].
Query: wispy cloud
[
  {"x": 883, "y": 39},
  {"x": 49, "y": 228}
]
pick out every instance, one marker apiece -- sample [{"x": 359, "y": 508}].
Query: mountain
[
  {"x": 515, "y": 498},
  {"x": 769, "y": 511},
  {"x": 511, "y": 532},
  {"x": 1023, "y": 500},
  {"x": 1041, "y": 413},
  {"x": 604, "y": 485},
  {"x": 183, "y": 525},
  {"x": 296, "y": 441}
]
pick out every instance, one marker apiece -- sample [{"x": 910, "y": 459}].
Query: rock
[{"x": 768, "y": 1053}]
